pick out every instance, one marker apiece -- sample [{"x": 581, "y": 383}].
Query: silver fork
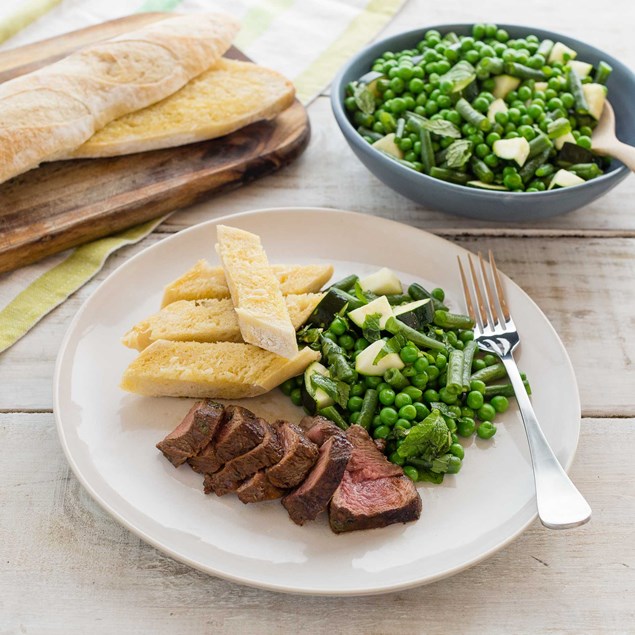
[{"x": 560, "y": 504}]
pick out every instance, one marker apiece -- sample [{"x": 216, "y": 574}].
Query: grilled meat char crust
[
  {"x": 235, "y": 471},
  {"x": 258, "y": 488},
  {"x": 373, "y": 492},
  {"x": 313, "y": 495},
  {"x": 300, "y": 455},
  {"x": 193, "y": 433}
]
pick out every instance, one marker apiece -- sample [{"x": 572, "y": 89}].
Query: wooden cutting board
[{"x": 67, "y": 203}]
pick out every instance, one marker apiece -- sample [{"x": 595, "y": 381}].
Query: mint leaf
[
  {"x": 336, "y": 390},
  {"x": 444, "y": 409},
  {"x": 310, "y": 336},
  {"x": 461, "y": 75},
  {"x": 439, "y": 127},
  {"x": 393, "y": 345},
  {"x": 370, "y": 329},
  {"x": 429, "y": 439},
  {"x": 364, "y": 99},
  {"x": 458, "y": 153}
]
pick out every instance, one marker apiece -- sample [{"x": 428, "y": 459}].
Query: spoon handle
[{"x": 623, "y": 152}]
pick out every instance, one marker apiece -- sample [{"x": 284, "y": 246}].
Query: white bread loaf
[
  {"x": 262, "y": 314},
  {"x": 211, "y": 320},
  {"x": 227, "y": 97},
  {"x": 50, "y": 112},
  {"x": 204, "y": 281},
  {"x": 221, "y": 370}
]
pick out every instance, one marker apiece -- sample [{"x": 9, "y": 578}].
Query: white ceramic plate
[{"x": 109, "y": 435}]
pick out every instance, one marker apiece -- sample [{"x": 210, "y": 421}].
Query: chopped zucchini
[
  {"x": 364, "y": 362},
  {"x": 382, "y": 282},
  {"x": 415, "y": 314},
  {"x": 378, "y": 305},
  {"x": 581, "y": 69},
  {"x": 503, "y": 84},
  {"x": 516, "y": 149},
  {"x": 370, "y": 79},
  {"x": 387, "y": 144},
  {"x": 331, "y": 304},
  {"x": 314, "y": 399},
  {"x": 498, "y": 105},
  {"x": 488, "y": 186},
  {"x": 564, "y": 178},
  {"x": 561, "y": 51},
  {"x": 541, "y": 86},
  {"x": 595, "y": 95},
  {"x": 558, "y": 142},
  {"x": 572, "y": 153}
]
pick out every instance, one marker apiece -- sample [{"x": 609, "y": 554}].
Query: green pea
[
  {"x": 402, "y": 424},
  {"x": 408, "y": 412},
  {"x": 387, "y": 397},
  {"x": 421, "y": 364},
  {"x": 480, "y": 104},
  {"x": 354, "y": 417},
  {"x": 472, "y": 56},
  {"x": 287, "y": 386},
  {"x": 438, "y": 294},
  {"x": 420, "y": 380},
  {"x": 430, "y": 395},
  {"x": 411, "y": 472},
  {"x": 376, "y": 421},
  {"x": 486, "y": 430},
  {"x": 409, "y": 354},
  {"x": 524, "y": 93},
  {"x": 500, "y": 403},
  {"x": 584, "y": 142},
  {"x": 329, "y": 335},
  {"x": 466, "y": 336},
  {"x": 372, "y": 382},
  {"x": 433, "y": 373},
  {"x": 455, "y": 411},
  {"x": 296, "y": 397},
  {"x": 478, "y": 386},
  {"x": 466, "y": 411},
  {"x": 347, "y": 342},
  {"x": 422, "y": 411},
  {"x": 354, "y": 404},
  {"x": 357, "y": 389},
  {"x": 475, "y": 399},
  {"x": 388, "y": 416},
  {"x": 454, "y": 437},
  {"x": 457, "y": 450},
  {"x": 447, "y": 397},
  {"x": 465, "y": 426},
  {"x": 361, "y": 343},
  {"x": 491, "y": 160},
  {"x": 382, "y": 386},
  {"x": 490, "y": 359},
  {"x": 486, "y": 412},
  {"x": 413, "y": 392},
  {"x": 396, "y": 458},
  {"x": 381, "y": 432},
  {"x": 450, "y": 422},
  {"x": 402, "y": 399},
  {"x": 441, "y": 361},
  {"x": 454, "y": 464},
  {"x": 478, "y": 364}
]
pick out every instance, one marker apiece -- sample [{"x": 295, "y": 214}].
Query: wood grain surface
[{"x": 67, "y": 203}]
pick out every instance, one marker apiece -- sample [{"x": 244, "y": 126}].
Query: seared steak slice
[
  {"x": 314, "y": 494},
  {"x": 319, "y": 429},
  {"x": 242, "y": 431},
  {"x": 193, "y": 433},
  {"x": 300, "y": 455},
  {"x": 258, "y": 488},
  {"x": 266, "y": 453},
  {"x": 373, "y": 492},
  {"x": 205, "y": 461}
]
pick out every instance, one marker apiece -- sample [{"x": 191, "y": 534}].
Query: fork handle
[{"x": 560, "y": 504}]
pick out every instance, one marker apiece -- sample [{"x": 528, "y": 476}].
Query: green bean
[
  {"x": 586, "y": 171},
  {"x": 398, "y": 298},
  {"x": 447, "y": 320},
  {"x": 575, "y": 88},
  {"x": 369, "y": 405},
  {"x": 367, "y": 132},
  {"x": 524, "y": 72},
  {"x": 417, "y": 292},
  {"x": 468, "y": 355},
  {"x": 452, "y": 176},
  {"x": 336, "y": 359},
  {"x": 401, "y": 127},
  {"x": 394, "y": 326},
  {"x": 493, "y": 65},
  {"x": 545, "y": 170},
  {"x": 396, "y": 379},
  {"x": 559, "y": 127},
  {"x": 490, "y": 373},
  {"x": 472, "y": 116},
  {"x": 345, "y": 284},
  {"x": 602, "y": 73},
  {"x": 545, "y": 48},
  {"x": 427, "y": 153},
  {"x": 529, "y": 169},
  {"x": 330, "y": 412},
  {"x": 503, "y": 390},
  {"x": 455, "y": 372},
  {"x": 481, "y": 170},
  {"x": 539, "y": 144}
]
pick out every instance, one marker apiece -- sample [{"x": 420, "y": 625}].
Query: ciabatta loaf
[
  {"x": 207, "y": 321},
  {"x": 50, "y": 112},
  {"x": 227, "y": 97},
  {"x": 262, "y": 314},
  {"x": 204, "y": 281},
  {"x": 221, "y": 370}
]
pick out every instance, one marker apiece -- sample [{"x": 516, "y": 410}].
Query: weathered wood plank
[
  {"x": 68, "y": 567},
  {"x": 586, "y": 290}
]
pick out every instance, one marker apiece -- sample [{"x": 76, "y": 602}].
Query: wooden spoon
[{"x": 605, "y": 141}]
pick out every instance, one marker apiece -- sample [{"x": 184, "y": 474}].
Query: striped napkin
[{"x": 306, "y": 40}]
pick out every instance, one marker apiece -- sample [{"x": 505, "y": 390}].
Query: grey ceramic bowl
[{"x": 483, "y": 204}]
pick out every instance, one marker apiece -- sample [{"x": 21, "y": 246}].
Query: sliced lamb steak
[
  {"x": 258, "y": 488},
  {"x": 300, "y": 455},
  {"x": 314, "y": 494},
  {"x": 373, "y": 492},
  {"x": 319, "y": 429},
  {"x": 193, "y": 433},
  {"x": 241, "y": 431},
  {"x": 266, "y": 453}
]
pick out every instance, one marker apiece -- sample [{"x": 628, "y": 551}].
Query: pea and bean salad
[
  {"x": 484, "y": 110},
  {"x": 404, "y": 367}
]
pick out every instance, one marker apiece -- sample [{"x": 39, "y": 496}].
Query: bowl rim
[{"x": 351, "y": 134}]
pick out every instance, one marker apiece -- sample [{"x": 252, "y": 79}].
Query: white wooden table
[{"x": 67, "y": 567}]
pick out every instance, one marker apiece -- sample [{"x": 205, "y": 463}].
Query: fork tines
[{"x": 491, "y": 307}]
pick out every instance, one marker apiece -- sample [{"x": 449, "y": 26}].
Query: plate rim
[{"x": 281, "y": 588}]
